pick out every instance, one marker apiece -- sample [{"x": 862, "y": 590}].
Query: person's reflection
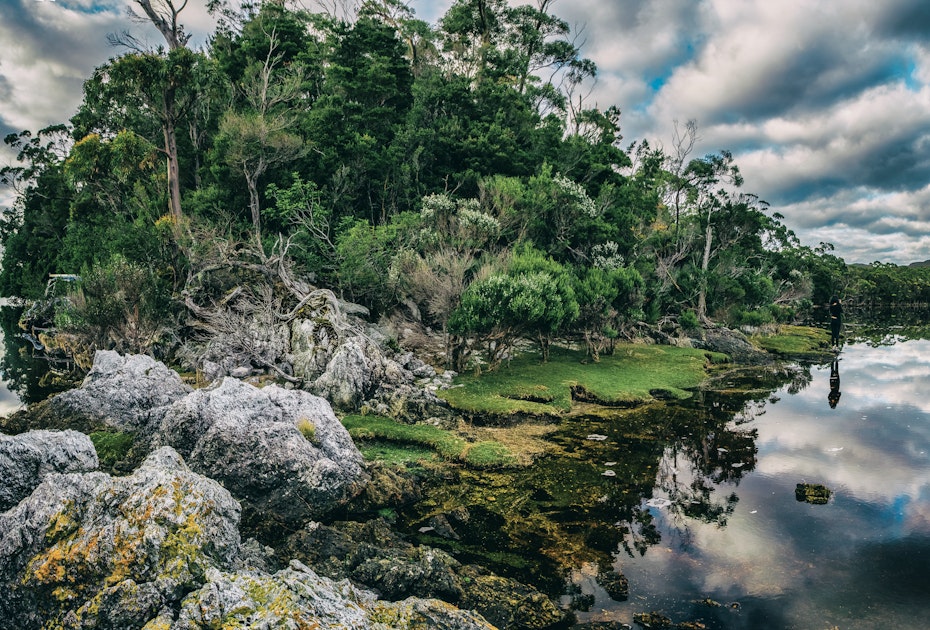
[{"x": 834, "y": 397}]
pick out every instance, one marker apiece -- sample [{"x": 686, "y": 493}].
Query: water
[
  {"x": 860, "y": 561},
  {"x": 695, "y": 504},
  {"x": 24, "y": 375}
]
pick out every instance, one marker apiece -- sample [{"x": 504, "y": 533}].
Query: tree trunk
[
  {"x": 171, "y": 150},
  {"x": 254, "y": 203},
  {"x": 705, "y": 265}
]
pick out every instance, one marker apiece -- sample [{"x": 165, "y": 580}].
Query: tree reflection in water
[{"x": 595, "y": 497}]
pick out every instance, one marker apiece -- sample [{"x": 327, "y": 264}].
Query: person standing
[{"x": 836, "y": 321}]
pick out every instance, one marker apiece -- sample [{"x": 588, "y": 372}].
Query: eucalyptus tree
[{"x": 259, "y": 135}]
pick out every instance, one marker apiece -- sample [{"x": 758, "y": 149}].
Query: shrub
[{"x": 689, "y": 320}]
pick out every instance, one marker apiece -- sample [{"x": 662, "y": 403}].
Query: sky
[{"x": 825, "y": 104}]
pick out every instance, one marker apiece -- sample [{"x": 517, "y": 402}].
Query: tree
[
  {"x": 139, "y": 89},
  {"x": 533, "y": 297}
]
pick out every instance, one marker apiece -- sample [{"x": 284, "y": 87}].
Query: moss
[
  {"x": 814, "y": 493},
  {"x": 402, "y": 443},
  {"x": 445, "y": 443},
  {"x": 634, "y": 374},
  {"x": 489, "y": 455},
  {"x": 793, "y": 341},
  {"x": 396, "y": 454},
  {"x": 307, "y": 429},
  {"x": 111, "y": 446}
]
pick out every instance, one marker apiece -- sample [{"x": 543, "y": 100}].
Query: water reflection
[
  {"x": 694, "y": 503},
  {"x": 834, "y": 396},
  {"x": 859, "y": 561},
  {"x": 24, "y": 374}
]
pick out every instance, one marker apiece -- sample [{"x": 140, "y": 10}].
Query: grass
[
  {"x": 388, "y": 440},
  {"x": 635, "y": 373},
  {"x": 793, "y": 340},
  {"x": 396, "y": 454}
]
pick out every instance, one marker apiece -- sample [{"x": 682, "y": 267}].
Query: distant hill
[{"x": 925, "y": 263}]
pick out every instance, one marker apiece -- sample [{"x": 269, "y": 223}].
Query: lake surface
[
  {"x": 860, "y": 561},
  {"x": 695, "y": 504}
]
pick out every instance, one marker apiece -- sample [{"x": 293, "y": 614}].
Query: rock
[
  {"x": 507, "y": 603},
  {"x": 160, "y": 550},
  {"x": 814, "y": 493},
  {"x": 352, "y": 374},
  {"x": 87, "y": 546},
  {"x": 733, "y": 344},
  {"x": 126, "y": 393},
  {"x": 370, "y": 554},
  {"x": 297, "y": 597},
  {"x": 251, "y": 441},
  {"x": 26, "y": 459},
  {"x": 312, "y": 344}
]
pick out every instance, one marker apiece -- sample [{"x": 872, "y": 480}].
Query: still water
[
  {"x": 860, "y": 561},
  {"x": 695, "y": 503}
]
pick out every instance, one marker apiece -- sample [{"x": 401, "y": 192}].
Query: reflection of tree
[
  {"x": 591, "y": 500},
  {"x": 24, "y": 373}
]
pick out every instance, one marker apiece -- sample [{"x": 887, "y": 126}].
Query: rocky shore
[{"x": 160, "y": 547}]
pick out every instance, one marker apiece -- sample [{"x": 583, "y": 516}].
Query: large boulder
[
  {"x": 160, "y": 550},
  {"x": 125, "y": 393},
  {"x": 282, "y": 452},
  {"x": 26, "y": 459},
  {"x": 352, "y": 374},
  {"x": 86, "y": 546},
  {"x": 297, "y": 597}
]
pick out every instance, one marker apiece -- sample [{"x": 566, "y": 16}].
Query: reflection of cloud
[{"x": 881, "y": 425}]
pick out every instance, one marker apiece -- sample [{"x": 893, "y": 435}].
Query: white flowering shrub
[
  {"x": 607, "y": 256},
  {"x": 437, "y": 205},
  {"x": 577, "y": 192}
]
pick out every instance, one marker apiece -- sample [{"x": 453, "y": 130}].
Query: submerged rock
[
  {"x": 26, "y": 459},
  {"x": 282, "y": 452},
  {"x": 372, "y": 555},
  {"x": 814, "y": 493}
]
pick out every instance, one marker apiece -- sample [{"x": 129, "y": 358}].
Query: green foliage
[
  {"x": 112, "y": 446},
  {"x": 689, "y": 320},
  {"x": 403, "y": 163},
  {"x": 116, "y": 306}
]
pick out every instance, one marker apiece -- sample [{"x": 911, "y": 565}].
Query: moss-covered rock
[
  {"x": 814, "y": 493},
  {"x": 372, "y": 555}
]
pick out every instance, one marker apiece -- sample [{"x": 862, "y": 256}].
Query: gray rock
[
  {"x": 26, "y": 459},
  {"x": 732, "y": 343},
  {"x": 127, "y": 393},
  {"x": 352, "y": 374},
  {"x": 250, "y": 440},
  {"x": 297, "y": 597},
  {"x": 160, "y": 550},
  {"x": 90, "y": 550}
]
